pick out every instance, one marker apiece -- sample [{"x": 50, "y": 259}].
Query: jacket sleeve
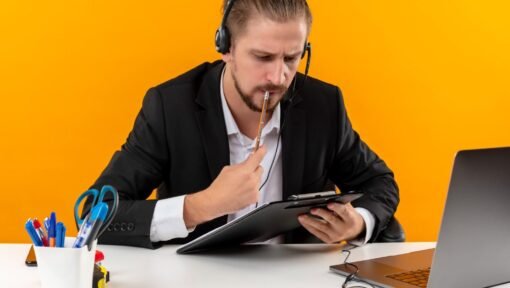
[
  {"x": 357, "y": 167},
  {"x": 135, "y": 171}
]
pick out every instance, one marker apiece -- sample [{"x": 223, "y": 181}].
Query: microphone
[{"x": 292, "y": 93}]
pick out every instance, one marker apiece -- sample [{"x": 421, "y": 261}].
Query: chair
[{"x": 394, "y": 232}]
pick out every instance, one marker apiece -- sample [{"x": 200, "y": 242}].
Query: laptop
[{"x": 473, "y": 249}]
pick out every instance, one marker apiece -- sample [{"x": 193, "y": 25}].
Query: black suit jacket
[{"x": 179, "y": 143}]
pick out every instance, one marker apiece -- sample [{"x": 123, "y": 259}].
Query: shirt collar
[{"x": 232, "y": 128}]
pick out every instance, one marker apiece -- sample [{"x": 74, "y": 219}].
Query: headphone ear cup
[
  {"x": 217, "y": 39},
  {"x": 222, "y": 40}
]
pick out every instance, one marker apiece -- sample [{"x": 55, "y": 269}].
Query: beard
[{"x": 250, "y": 101}]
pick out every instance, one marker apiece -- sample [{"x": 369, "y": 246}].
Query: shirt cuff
[
  {"x": 369, "y": 219},
  {"x": 168, "y": 220}
]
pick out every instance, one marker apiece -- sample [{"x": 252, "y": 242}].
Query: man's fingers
[
  {"x": 315, "y": 223},
  {"x": 327, "y": 215},
  {"x": 253, "y": 161},
  {"x": 340, "y": 222},
  {"x": 340, "y": 209},
  {"x": 259, "y": 171},
  {"x": 305, "y": 221}
]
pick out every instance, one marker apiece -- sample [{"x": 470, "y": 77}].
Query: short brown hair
[{"x": 276, "y": 10}]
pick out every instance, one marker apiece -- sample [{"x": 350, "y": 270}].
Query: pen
[
  {"x": 40, "y": 232},
  {"x": 29, "y": 226},
  {"x": 63, "y": 235},
  {"x": 91, "y": 226},
  {"x": 52, "y": 229},
  {"x": 61, "y": 230},
  {"x": 261, "y": 121}
]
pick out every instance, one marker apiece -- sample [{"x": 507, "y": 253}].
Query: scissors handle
[
  {"x": 112, "y": 206},
  {"x": 98, "y": 197},
  {"x": 85, "y": 195}
]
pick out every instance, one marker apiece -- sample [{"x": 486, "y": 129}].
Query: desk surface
[{"x": 303, "y": 265}]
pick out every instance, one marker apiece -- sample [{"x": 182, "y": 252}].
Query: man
[{"x": 194, "y": 140}]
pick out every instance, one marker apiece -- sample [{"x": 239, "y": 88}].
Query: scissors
[{"x": 97, "y": 198}]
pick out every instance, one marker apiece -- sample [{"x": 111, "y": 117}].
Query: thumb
[{"x": 253, "y": 161}]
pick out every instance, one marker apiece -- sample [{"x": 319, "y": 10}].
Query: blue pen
[
  {"x": 29, "y": 226},
  {"x": 52, "y": 229},
  {"x": 91, "y": 226},
  {"x": 60, "y": 234},
  {"x": 63, "y": 236}
]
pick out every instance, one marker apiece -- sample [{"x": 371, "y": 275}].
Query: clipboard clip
[{"x": 312, "y": 195}]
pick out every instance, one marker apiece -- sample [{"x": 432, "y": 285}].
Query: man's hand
[
  {"x": 337, "y": 223},
  {"x": 236, "y": 187}
]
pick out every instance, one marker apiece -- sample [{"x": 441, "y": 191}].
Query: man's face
[{"x": 265, "y": 57}]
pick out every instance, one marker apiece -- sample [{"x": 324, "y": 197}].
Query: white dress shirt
[{"x": 168, "y": 219}]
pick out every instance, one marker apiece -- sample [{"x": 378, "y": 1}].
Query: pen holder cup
[{"x": 66, "y": 266}]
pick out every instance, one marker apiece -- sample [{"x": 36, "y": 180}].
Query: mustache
[{"x": 273, "y": 88}]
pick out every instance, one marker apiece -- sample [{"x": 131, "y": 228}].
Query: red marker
[{"x": 40, "y": 231}]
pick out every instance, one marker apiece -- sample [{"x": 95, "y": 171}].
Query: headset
[
  {"x": 222, "y": 37},
  {"x": 222, "y": 43}
]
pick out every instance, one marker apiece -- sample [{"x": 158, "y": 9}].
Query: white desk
[{"x": 304, "y": 265}]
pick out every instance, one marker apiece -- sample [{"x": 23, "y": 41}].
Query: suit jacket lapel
[
  {"x": 293, "y": 148},
  {"x": 211, "y": 123}
]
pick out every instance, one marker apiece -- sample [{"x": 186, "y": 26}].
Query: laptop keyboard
[{"x": 416, "y": 277}]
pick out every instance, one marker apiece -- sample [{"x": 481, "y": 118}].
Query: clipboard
[{"x": 265, "y": 222}]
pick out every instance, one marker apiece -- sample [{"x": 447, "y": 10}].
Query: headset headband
[{"x": 222, "y": 37}]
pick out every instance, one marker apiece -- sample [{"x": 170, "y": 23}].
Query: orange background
[{"x": 421, "y": 79}]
